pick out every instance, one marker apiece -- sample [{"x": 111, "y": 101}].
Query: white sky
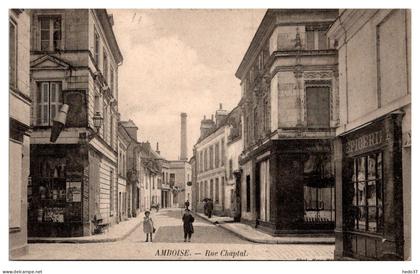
[{"x": 179, "y": 61}]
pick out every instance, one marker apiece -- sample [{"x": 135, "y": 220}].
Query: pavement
[
  {"x": 256, "y": 236},
  {"x": 115, "y": 232},
  {"x": 209, "y": 242}
]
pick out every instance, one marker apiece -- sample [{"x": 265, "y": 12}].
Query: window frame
[
  {"x": 51, "y": 30},
  {"x": 39, "y": 102},
  {"x": 13, "y": 83}
]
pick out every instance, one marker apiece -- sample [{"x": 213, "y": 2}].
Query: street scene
[{"x": 210, "y": 134}]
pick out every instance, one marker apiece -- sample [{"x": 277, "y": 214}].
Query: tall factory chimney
[{"x": 183, "y": 155}]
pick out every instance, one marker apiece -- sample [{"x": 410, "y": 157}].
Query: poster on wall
[{"x": 74, "y": 192}]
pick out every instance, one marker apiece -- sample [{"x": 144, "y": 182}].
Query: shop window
[
  {"x": 50, "y": 33},
  {"x": 318, "y": 190},
  {"x": 49, "y": 101},
  {"x": 367, "y": 189}
]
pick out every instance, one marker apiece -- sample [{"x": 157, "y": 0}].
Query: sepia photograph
[{"x": 177, "y": 134}]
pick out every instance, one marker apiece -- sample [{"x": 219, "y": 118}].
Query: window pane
[
  {"x": 372, "y": 219},
  {"x": 361, "y": 192},
  {"x": 371, "y": 193},
  {"x": 45, "y": 114},
  {"x": 372, "y": 167},
  {"x": 45, "y": 92},
  {"x": 45, "y": 23},
  {"x": 362, "y": 214},
  {"x": 53, "y": 112},
  {"x": 361, "y": 168}
]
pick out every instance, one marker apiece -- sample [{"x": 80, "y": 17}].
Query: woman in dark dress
[{"x": 188, "y": 220}]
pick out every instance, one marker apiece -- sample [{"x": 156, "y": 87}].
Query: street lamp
[{"x": 97, "y": 123}]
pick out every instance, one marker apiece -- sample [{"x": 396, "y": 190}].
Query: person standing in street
[
  {"x": 148, "y": 227},
  {"x": 188, "y": 220},
  {"x": 210, "y": 208}
]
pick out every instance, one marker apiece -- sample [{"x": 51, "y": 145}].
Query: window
[
  {"x": 217, "y": 190},
  {"x": 316, "y": 39},
  {"x": 230, "y": 169},
  {"x": 248, "y": 193},
  {"x": 105, "y": 121},
  {"x": 367, "y": 189},
  {"x": 111, "y": 81},
  {"x": 111, "y": 192},
  {"x": 318, "y": 106},
  {"x": 222, "y": 156},
  {"x": 310, "y": 39},
  {"x": 50, "y": 28},
  {"x": 12, "y": 54},
  {"x": 172, "y": 179},
  {"x": 49, "y": 100},
  {"x": 105, "y": 66},
  {"x": 211, "y": 157},
  {"x": 205, "y": 160},
  {"x": 217, "y": 155},
  {"x": 97, "y": 46}
]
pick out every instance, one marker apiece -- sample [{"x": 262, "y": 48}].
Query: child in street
[{"x": 148, "y": 226}]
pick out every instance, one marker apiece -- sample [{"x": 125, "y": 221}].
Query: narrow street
[{"x": 209, "y": 242}]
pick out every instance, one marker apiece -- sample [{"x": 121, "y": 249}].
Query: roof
[{"x": 128, "y": 124}]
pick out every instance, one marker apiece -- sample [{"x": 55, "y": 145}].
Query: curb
[
  {"x": 261, "y": 241},
  {"x": 81, "y": 240}
]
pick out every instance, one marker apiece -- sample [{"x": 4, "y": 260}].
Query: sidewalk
[
  {"x": 116, "y": 232},
  {"x": 253, "y": 235}
]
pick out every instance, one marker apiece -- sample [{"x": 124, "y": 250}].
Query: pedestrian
[
  {"x": 148, "y": 226},
  {"x": 205, "y": 207},
  {"x": 187, "y": 204},
  {"x": 210, "y": 208},
  {"x": 188, "y": 220}
]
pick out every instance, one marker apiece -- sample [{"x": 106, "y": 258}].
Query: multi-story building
[
  {"x": 74, "y": 62},
  {"x": 19, "y": 131},
  {"x": 150, "y": 176},
  {"x": 134, "y": 205},
  {"x": 372, "y": 151},
  {"x": 234, "y": 149},
  {"x": 289, "y": 115},
  {"x": 122, "y": 188},
  {"x": 211, "y": 167}
]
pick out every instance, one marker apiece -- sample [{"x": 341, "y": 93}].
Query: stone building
[
  {"x": 19, "y": 129},
  {"x": 289, "y": 114},
  {"x": 74, "y": 62},
  {"x": 122, "y": 187},
  {"x": 216, "y": 155},
  {"x": 372, "y": 151}
]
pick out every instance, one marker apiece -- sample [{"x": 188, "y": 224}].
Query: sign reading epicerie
[{"x": 364, "y": 142}]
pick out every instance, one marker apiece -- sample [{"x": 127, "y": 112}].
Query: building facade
[
  {"x": 74, "y": 61},
  {"x": 372, "y": 151},
  {"x": 19, "y": 129},
  {"x": 180, "y": 173},
  {"x": 122, "y": 187},
  {"x": 289, "y": 87}
]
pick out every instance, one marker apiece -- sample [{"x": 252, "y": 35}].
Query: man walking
[
  {"x": 210, "y": 208},
  {"x": 188, "y": 220}
]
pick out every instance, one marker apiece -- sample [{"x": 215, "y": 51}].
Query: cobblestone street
[{"x": 209, "y": 242}]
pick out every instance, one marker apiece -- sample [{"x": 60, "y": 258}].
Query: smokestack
[
  {"x": 157, "y": 148},
  {"x": 183, "y": 155}
]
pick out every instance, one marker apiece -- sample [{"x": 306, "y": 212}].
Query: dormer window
[{"x": 50, "y": 33}]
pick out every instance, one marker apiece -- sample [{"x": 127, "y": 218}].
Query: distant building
[
  {"x": 123, "y": 188},
  {"x": 372, "y": 151},
  {"x": 289, "y": 85},
  {"x": 216, "y": 151},
  {"x": 19, "y": 130},
  {"x": 180, "y": 174},
  {"x": 74, "y": 61}
]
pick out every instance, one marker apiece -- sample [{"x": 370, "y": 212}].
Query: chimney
[
  {"x": 221, "y": 114},
  {"x": 183, "y": 152},
  {"x": 131, "y": 128},
  {"x": 206, "y": 126},
  {"x": 157, "y": 148}
]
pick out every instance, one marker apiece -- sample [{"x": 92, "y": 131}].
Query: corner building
[{"x": 289, "y": 86}]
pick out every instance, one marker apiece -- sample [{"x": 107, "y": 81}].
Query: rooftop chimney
[
  {"x": 183, "y": 154},
  {"x": 206, "y": 126},
  {"x": 157, "y": 148},
  {"x": 221, "y": 114}
]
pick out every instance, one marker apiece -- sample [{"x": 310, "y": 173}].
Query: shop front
[
  {"x": 58, "y": 192},
  {"x": 370, "y": 219},
  {"x": 288, "y": 187}
]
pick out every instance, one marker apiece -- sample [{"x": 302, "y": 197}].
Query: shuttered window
[{"x": 49, "y": 101}]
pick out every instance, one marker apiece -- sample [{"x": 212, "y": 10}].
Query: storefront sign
[{"x": 364, "y": 142}]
